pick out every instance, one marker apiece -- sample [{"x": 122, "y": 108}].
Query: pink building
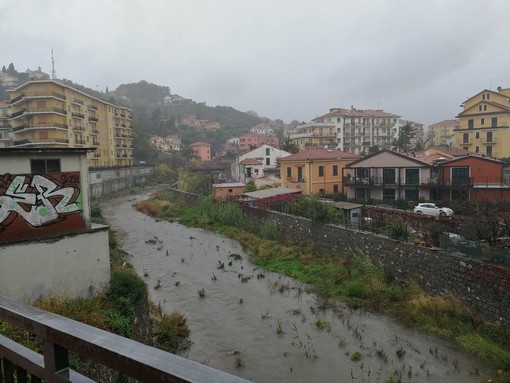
[
  {"x": 201, "y": 150},
  {"x": 253, "y": 141}
]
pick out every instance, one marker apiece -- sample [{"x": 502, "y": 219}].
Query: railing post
[{"x": 56, "y": 360}]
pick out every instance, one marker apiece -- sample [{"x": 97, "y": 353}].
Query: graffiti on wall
[{"x": 39, "y": 199}]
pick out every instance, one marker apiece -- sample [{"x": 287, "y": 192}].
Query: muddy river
[{"x": 265, "y": 327}]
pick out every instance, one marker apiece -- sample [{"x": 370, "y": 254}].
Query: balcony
[
  {"x": 92, "y": 107},
  {"x": 40, "y": 126},
  {"x": 78, "y": 128},
  {"x": 77, "y": 101},
  {"x": 18, "y": 98},
  {"x": 95, "y": 131},
  {"x": 27, "y": 142},
  {"x": 78, "y": 115},
  {"x": 62, "y": 336},
  {"x": 19, "y": 113},
  {"x": 93, "y": 119}
]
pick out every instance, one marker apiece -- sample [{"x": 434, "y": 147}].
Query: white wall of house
[
  {"x": 73, "y": 266},
  {"x": 266, "y": 154}
]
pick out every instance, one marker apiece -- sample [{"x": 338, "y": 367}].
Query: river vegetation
[{"x": 353, "y": 278}]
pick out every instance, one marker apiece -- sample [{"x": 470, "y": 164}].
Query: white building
[
  {"x": 257, "y": 163},
  {"x": 262, "y": 129},
  {"x": 353, "y": 130},
  {"x": 48, "y": 245}
]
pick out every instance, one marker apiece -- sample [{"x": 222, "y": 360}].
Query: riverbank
[{"x": 360, "y": 283}]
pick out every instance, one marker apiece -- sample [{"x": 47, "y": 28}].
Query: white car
[{"x": 432, "y": 209}]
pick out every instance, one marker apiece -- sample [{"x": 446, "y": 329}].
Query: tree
[
  {"x": 288, "y": 145},
  {"x": 4, "y": 69},
  {"x": 405, "y": 135},
  {"x": 11, "y": 69}
]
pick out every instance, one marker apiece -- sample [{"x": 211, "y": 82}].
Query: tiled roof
[
  {"x": 319, "y": 153},
  {"x": 445, "y": 123},
  {"x": 200, "y": 143}
]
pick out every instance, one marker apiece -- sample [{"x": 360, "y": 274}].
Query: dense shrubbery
[{"x": 315, "y": 209}]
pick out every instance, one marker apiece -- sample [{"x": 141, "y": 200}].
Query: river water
[{"x": 265, "y": 327}]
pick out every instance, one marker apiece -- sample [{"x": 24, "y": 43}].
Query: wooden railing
[{"x": 61, "y": 336}]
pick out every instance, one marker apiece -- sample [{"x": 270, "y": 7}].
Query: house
[
  {"x": 443, "y": 132},
  {"x": 316, "y": 170},
  {"x": 351, "y": 211},
  {"x": 261, "y": 129},
  {"x": 474, "y": 178},
  {"x": 252, "y": 141},
  {"x": 228, "y": 190},
  {"x": 388, "y": 175},
  {"x": 257, "y": 163},
  {"x": 200, "y": 123},
  {"x": 484, "y": 124},
  {"x": 47, "y": 241},
  {"x": 201, "y": 150},
  {"x": 170, "y": 143},
  {"x": 49, "y": 114}
]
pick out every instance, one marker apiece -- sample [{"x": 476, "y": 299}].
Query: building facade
[
  {"x": 48, "y": 114},
  {"x": 170, "y": 143},
  {"x": 201, "y": 151},
  {"x": 443, "y": 132},
  {"x": 48, "y": 244},
  {"x": 257, "y": 162},
  {"x": 198, "y": 123},
  {"x": 316, "y": 170},
  {"x": 356, "y": 131},
  {"x": 251, "y": 141},
  {"x": 484, "y": 124},
  {"x": 5, "y": 127}
]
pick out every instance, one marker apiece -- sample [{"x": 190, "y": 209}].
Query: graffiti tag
[{"x": 44, "y": 199}]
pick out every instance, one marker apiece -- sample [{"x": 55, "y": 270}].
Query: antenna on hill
[{"x": 53, "y": 73}]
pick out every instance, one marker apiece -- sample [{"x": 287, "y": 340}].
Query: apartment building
[
  {"x": 5, "y": 128},
  {"x": 170, "y": 143},
  {"x": 443, "y": 132},
  {"x": 484, "y": 124},
  {"x": 49, "y": 114},
  {"x": 198, "y": 123},
  {"x": 352, "y": 130},
  {"x": 251, "y": 141}
]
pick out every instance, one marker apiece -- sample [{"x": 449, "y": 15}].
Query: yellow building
[
  {"x": 443, "y": 132},
  {"x": 484, "y": 125},
  {"x": 50, "y": 114},
  {"x": 316, "y": 170}
]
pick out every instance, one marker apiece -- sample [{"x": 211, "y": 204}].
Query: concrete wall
[
  {"x": 76, "y": 265},
  {"x": 106, "y": 181},
  {"x": 484, "y": 287}
]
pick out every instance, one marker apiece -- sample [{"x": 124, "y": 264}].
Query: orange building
[
  {"x": 201, "y": 150},
  {"x": 316, "y": 170},
  {"x": 222, "y": 192}
]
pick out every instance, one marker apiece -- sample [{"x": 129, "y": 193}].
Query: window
[
  {"x": 300, "y": 173},
  {"x": 489, "y": 136},
  {"x": 321, "y": 192},
  {"x": 335, "y": 188},
  {"x": 230, "y": 190},
  {"x": 471, "y": 124},
  {"x": 477, "y": 149},
  {"x": 488, "y": 96},
  {"x": 412, "y": 195},
  {"x": 477, "y": 134},
  {"x": 485, "y": 108},
  {"x": 388, "y": 194},
  {"x": 45, "y": 166},
  {"x": 465, "y": 138},
  {"x": 479, "y": 108},
  {"x": 267, "y": 151},
  {"x": 482, "y": 121},
  {"x": 483, "y": 96},
  {"x": 494, "y": 122},
  {"x": 268, "y": 161},
  {"x": 389, "y": 176},
  {"x": 412, "y": 176},
  {"x": 289, "y": 172},
  {"x": 335, "y": 170},
  {"x": 460, "y": 176},
  {"x": 321, "y": 171},
  {"x": 488, "y": 151},
  {"x": 362, "y": 193}
]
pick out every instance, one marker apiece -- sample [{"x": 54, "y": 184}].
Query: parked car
[{"x": 433, "y": 209}]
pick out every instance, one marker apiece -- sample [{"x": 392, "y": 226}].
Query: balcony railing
[
  {"x": 78, "y": 101},
  {"x": 93, "y": 119},
  {"x": 46, "y": 125},
  {"x": 91, "y": 106},
  {"x": 62, "y": 336},
  {"x": 78, "y": 115}
]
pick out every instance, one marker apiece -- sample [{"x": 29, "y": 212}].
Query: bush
[
  {"x": 126, "y": 288},
  {"x": 398, "y": 230},
  {"x": 172, "y": 332},
  {"x": 315, "y": 209},
  {"x": 271, "y": 230}
]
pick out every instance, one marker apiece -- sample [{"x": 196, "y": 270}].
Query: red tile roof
[{"x": 250, "y": 161}]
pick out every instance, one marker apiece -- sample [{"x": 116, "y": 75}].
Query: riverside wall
[
  {"x": 484, "y": 287},
  {"x": 110, "y": 180}
]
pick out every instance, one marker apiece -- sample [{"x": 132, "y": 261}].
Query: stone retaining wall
[{"x": 484, "y": 287}]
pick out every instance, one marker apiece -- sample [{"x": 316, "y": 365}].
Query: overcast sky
[{"x": 287, "y": 59}]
